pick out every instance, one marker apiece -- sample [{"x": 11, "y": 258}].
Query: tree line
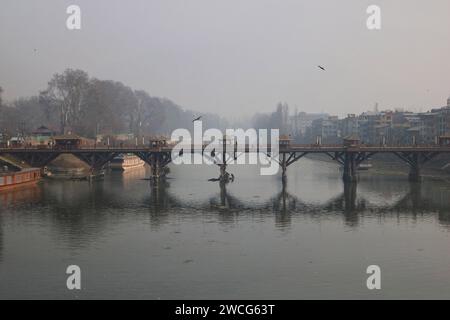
[{"x": 89, "y": 106}]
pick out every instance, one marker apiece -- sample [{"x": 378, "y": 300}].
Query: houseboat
[
  {"x": 127, "y": 161},
  {"x": 12, "y": 179}
]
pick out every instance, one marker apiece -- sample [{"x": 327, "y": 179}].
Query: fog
[{"x": 237, "y": 57}]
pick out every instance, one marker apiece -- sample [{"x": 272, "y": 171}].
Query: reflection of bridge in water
[
  {"x": 284, "y": 204},
  {"x": 350, "y": 157},
  {"x": 413, "y": 203},
  {"x": 70, "y": 209}
]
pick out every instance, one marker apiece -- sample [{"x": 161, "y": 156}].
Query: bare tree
[
  {"x": 90, "y": 106},
  {"x": 66, "y": 93},
  {"x": 145, "y": 113}
]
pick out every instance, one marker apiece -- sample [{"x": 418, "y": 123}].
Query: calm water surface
[{"x": 192, "y": 239}]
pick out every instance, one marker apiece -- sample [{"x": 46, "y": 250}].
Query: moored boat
[
  {"x": 125, "y": 162},
  {"x": 13, "y": 179}
]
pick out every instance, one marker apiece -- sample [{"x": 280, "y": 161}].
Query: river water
[{"x": 253, "y": 239}]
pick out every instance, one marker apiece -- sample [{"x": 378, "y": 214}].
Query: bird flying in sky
[
  {"x": 196, "y": 119},
  {"x": 321, "y": 67}
]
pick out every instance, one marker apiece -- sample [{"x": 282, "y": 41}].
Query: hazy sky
[{"x": 237, "y": 57}]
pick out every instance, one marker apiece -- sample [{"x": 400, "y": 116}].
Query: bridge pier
[
  {"x": 158, "y": 169},
  {"x": 94, "y": 173},
  {"x": 349, "y": 167},
  {"x": 283, "y": 168},
  {"x": 288, "y": 158},
  {"x": 157, "y": 162},
  {"x": 350, "y": 160},
  {"x": 96, "y": 161},
  {"x": 224, "y": 175},
  {"x": 414, "y": 168},
  {"x": 415, "y": 159},
  {"x": 155, "y": 169}
]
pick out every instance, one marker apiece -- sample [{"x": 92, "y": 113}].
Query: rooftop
[
  {"x": 352, "y": 137},
  {"x": 68, "y": 137},
  {"x": 42, "y": 129}
]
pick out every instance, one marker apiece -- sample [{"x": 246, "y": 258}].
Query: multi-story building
[
  {"x": 302, "y": 120},
  {"x": 327, "y": 129},
  {"x": 301, "y": 124},
  {"x": 379, "y": 127},
  {"x": 349, "y": 126},
  {"x": 366, "y": 124}
]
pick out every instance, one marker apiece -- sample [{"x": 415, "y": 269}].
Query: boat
[
  {"x": 127, "y": 161},
  {"x": 13, "y": 179}
]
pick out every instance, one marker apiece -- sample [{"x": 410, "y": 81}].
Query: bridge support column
[
  {"x": 157, "y": 161},
  {"x": 349, "y": 167},
  {"x": 415, "y": 159},
  {"x": 283, "y": 168},
  {"x": 96, "y": 161},
  {"x": 224, "y": 175},
  {"x": 155, "y": 167},
  {"x": 414, "y": 168},
  {"x": 94, "y": 173}
]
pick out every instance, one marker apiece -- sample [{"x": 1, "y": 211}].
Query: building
[
  {"x": 72, "y": 141},
  {"x": 327, "y": 129},
  {"x": 350, "y": 126},
  {"x": 285, "y": 141},
  {"x": 162, "y": 141},
  {"x": 300, "y": 125},
  {"x": 4, "y": 140},
  {"x": 42, "y": 136},
  {"x": 351, "y": 141},
  {"x": 376, "y": 127},
  {"x": 17, "y": 141}
]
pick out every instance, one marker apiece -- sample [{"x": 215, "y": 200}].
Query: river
[{"x": 253, "y": 239}]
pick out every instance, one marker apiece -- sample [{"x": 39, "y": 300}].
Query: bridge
[{"x": 350, "y": 157}]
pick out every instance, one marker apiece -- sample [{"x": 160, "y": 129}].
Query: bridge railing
[{"x": 247, "y": 147}]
